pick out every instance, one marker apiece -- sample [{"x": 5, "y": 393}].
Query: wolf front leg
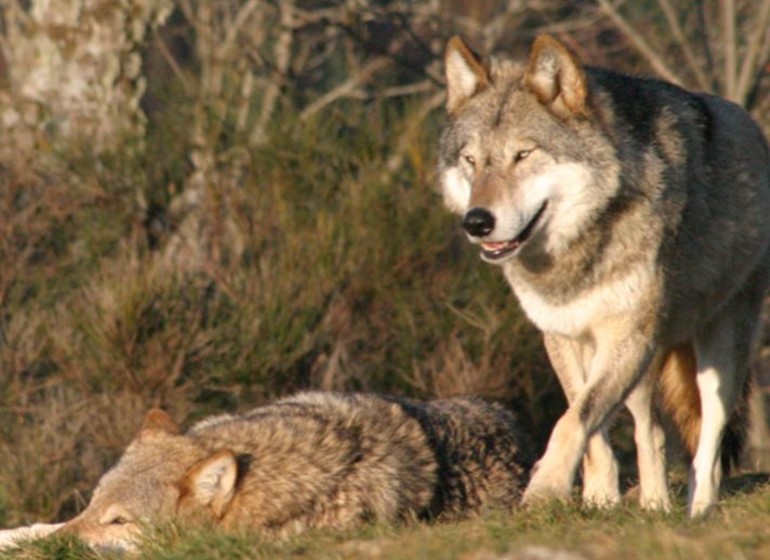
[
  {"x": 571, "y": 361},
  {"x": 623, "y": 353},
  {"x": 650, "y": 443}
]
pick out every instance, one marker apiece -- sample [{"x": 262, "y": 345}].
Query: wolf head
[
  {"x": 162, "y": 475},
  {"x": 523, "y": 158}
]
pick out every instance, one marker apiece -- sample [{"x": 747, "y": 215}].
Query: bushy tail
[{"x": 680, "y": 399}]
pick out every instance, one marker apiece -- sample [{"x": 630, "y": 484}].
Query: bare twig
[
  {"x": 16, "y": 22},
  {"x": 497, "y": 25},
  {"x": 422, "y": 86},
  {"x": 171, "y": 61},
  {"x": 566, "y": 26},
  {"x": 749, "y": 67},
  {"x": 396, "y": 159},
  {"x": 247, "y": 89},
  {"x": 703, "y": 28},
  {"x": 684, "y": 44},
  {"x": 204, "y": 45},
  {"x": 764, "y": 56},
  {"x": 347, "y": 87},
  {"x": 653, "y": 58},
  {"x": 302, "y": 18},
  {"x": 727, "y": 13},
  {"x": 282, "y": 63},
  {"x": 14, "y": 6},
  {"x": 753, "y": 101},
  {"x": 241, "y": 18},
  {"x": 187, "y": 10}
]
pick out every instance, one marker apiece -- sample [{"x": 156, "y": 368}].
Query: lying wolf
[
  {"x": 632, "y": 220},
  {"x": 312, "y": 460}
]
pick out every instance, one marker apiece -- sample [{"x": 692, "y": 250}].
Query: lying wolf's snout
[{"x": 478, "y": 222}]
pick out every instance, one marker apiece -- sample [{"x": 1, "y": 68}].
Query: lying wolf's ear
[
  {"x": 465, "y": 74},
  {"x": 211, "y": 481},
  {"x": 157, "y": 421},
  {"x": 556, "y": 77}
]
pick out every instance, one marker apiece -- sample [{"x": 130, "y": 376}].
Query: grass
[{"x": 736, "y": 529}]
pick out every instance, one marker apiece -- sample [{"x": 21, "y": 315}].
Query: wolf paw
[
  {"x": 700, "y": 509},
  {"x": 601, "y": 498},
  {"x": 600, "y": 487},
  {"x": 538, "y": 493},
  {"x": 546, "y": 485},
  {"x": 655, "y": 503}
]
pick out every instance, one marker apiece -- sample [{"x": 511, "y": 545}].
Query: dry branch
[
  {"x": 678, "y": 34},
  {"x": 348, "y": 87},
  {"x": 654, "y": 59},
  {"x": 282, "y": 64},
  {"x": 727, "y": 12},
  {"x": 749, "y": 68},
  {"x": 396, "y": 159}
]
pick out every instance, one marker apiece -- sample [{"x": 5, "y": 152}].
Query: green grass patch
[{"x": 736, "y": 529}]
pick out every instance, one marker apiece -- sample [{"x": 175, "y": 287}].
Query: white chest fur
[{"x": 610, "y": 298}]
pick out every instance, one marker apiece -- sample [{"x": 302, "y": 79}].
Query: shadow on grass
[
  {"x": 739, "y": 484},
  {"x": 745, "y": 483}
]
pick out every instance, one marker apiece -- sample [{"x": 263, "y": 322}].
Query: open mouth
[{"x": 496, "y": 250}]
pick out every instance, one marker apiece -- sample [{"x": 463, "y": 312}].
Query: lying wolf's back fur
[
  {"x": 367, "y": 456},
  {"x": 481, "y": 453}
]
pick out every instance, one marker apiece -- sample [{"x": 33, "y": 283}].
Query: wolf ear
[
  {"x": 211, "y": 481},
  {"x": 157, "y": 421},
  {"x": 465, "y": 74},
  {"x": 556, "y": 77}
]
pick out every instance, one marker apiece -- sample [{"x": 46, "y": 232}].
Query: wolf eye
[
  {"x": 115, "y": 515},
  {"x": 118, "y": 519},
  {"x": 471, "y": 160},
  {"x": 520, "y": 155}
]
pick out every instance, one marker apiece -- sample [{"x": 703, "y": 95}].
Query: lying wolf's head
[
  {"x": 523, "y": 157},
  {"x": 163, "y": 475}
]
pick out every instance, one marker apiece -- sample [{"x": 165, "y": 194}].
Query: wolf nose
[{"x": 478, "y": 222}]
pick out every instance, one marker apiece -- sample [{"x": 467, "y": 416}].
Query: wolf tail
[{"x": 681, "y": 400}]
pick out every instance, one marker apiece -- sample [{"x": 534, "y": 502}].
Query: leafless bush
[
  {"x": 32, "y": 203},
  {"x": 719, "y": 47}
]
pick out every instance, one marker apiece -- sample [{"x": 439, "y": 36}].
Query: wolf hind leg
[
  {"x": 705, "y": 474},
  {"x": 723, "y": 352}
]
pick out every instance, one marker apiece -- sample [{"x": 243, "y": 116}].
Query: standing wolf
[
  {"x": 632, "y": 220},
  {"x": 312, "y": 460}
]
